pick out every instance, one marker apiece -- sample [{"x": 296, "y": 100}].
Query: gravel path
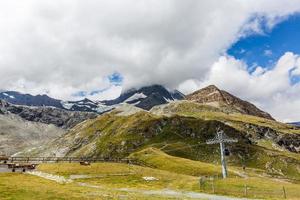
[
  {"x": 180, "y": 194},
  {"x": 56, "y": 178}
]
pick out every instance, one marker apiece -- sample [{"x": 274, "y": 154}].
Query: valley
[{"x": 165, "y": 140}]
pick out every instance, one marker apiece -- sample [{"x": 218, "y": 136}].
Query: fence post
[
  {"x": 284, "y": 193},
  {"x": 246, "y": 191},
  {"x": 213, "y": 185},
  {"x": 201, "y": 182}
]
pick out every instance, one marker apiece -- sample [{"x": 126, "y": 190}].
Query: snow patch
[
  {"x": 67, "y": 105},
  {"x": 135, "y": 97},
  {"x": 150, "y": 178},
  {"x": 10, "y": 96},
  {"x": 168, "y": 100}
]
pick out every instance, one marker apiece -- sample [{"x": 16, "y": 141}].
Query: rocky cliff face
[
  {"x": 214, "y": 96},
  {"x": 47, "y": 115}
]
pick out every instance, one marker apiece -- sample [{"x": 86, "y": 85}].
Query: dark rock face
[
  {"x": 290, "y": 142},
  {"x": 29, "y": 100},
  {"x": 212, "y": 94},
  {"x": 48, "y": 115},
  {"x": 261, "y": 132},
  {"x": 147, "y": 97}
]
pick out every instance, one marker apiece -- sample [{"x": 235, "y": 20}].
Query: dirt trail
[{"x": 52, "y": 177}]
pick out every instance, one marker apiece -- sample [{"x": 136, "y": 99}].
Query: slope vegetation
[{"x": 182, "y": 133}]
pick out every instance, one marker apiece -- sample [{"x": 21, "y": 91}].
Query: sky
[{"x": 71, "y": 49}]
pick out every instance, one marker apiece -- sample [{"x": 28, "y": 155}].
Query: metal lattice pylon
[{"x": 221, "y": 138}]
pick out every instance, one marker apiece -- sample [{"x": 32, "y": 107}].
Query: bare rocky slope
[
  {"x": 18, "y": 134},
  {"x": 47, "y": 115},
  {"x": 212, "y": 95},
  {"x": 23, "y": 127}
]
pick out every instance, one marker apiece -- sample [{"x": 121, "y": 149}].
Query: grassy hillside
[
  {"x": 181, "y": 129},
  {"x": 207, "y": 112},
  {"x": 156, "y": 158}
]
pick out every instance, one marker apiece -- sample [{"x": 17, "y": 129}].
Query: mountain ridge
[{"x": 145, "y": 97}]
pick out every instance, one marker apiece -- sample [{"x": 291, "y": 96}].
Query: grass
[
  {"x": 118, "y": 175},
  {"x": 259, "y": 186},
  {"x": 160, "y": 160},
  {"x": 16, "y": 186},
  {"x": 256, "y": 187},
  {"x": 118, "y": 180},
  {"x": 21, "y": 186}
]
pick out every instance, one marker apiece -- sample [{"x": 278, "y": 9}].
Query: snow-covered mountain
[
  {"x": 29, "y": 100},
  {"x": 44, "y": 100},
  {"x": 145, "y": 98},
  {"x": 86, "y": 105}
]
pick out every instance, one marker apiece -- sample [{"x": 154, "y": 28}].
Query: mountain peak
[
  {"x": 214, "y": 96},
  {"x": 146, "y": 97},
  {"x": 211, "y": 87}
]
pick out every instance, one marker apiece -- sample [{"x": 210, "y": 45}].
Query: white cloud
[
  {"x": 63, "y": 46},
  {"x": 296, "y": 70},
  {"x": 268, "y": 52}
]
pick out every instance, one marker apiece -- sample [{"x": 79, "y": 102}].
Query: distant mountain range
[
  {"x": 29, "y": 100},
  {"x": 145, "y": 98},
  {"x": 297, "y": 124}
]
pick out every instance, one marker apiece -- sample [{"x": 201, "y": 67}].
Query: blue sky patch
[
  {"x": 265, "y": 49},
  {"x": 80, "y": 94},
  {"x": 116, "y": 79}
]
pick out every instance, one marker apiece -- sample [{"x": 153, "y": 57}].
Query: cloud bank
[
  {"x": 62, "y": 47},
  {"x": 270, "y": 89}
]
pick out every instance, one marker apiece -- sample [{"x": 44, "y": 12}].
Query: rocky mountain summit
[
  {"x": 213, "y": 96},
  {"x": 146, "y": 97}
]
